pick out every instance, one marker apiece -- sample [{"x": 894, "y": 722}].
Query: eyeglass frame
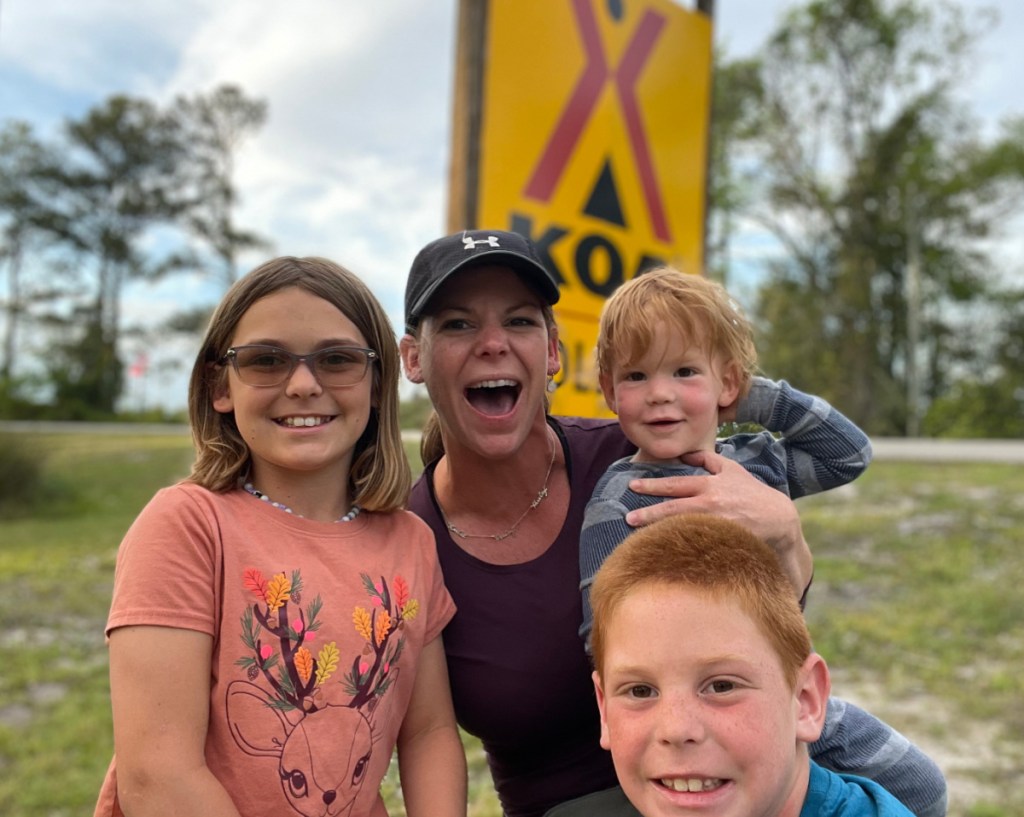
[{"x": 231, "y": 356}]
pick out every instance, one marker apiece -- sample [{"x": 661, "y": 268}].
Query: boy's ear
[
  {"x": 605, "y": 742},
  {"x": 409, "y": 349},
  {"x": 813, "y": 686},
  {"x": 608, "y": 389}
]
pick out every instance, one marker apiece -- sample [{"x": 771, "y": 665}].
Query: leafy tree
[
  {"x": 872, "y": 176},
  {"x": 26, "y": 222},
  {"x": 214, "y": 126},
  {"x": 115, "y": 185},
  {"x": 116, "y": 198},
  {"x": 87, "y": 374},
  {"x": 734, "y": 101},
  {"x": 987, "y": 399}
]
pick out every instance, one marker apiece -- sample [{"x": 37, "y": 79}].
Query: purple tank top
[{"x": 520, "y": 678}]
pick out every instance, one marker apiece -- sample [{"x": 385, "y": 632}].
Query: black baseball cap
[{"x": 443, "y": 257}]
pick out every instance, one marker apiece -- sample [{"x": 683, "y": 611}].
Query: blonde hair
[
  {"x": 703, "y": 312},
  {"x": 379, "y": 478},
  {"x": 713, "y": 556}
]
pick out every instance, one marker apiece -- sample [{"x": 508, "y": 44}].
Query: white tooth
[
  {"x": 297, "y": 422},
  {"x": 494, "y": 384},
  {"x": 692, "y": 784}
]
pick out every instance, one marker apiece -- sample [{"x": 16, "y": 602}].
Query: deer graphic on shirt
[{"x": 286, "y": 709}]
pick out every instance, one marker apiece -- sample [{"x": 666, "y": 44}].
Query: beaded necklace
[{"x": 249, "y": 488}]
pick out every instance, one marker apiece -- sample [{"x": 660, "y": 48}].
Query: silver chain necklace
[{"x": 497, "y": 537}]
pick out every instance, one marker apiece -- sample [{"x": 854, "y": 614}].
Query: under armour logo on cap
[
  {"x": 468, "y": 249},
  {"x": 491, "y": 241}
]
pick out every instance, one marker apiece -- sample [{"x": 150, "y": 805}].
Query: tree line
[
  {"x": 848, "y": 137},
  {"x": 129, "y": 191},
  {"x": 851, "y": 140}
]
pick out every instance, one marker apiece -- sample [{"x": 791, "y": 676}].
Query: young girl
[{"x": 275, "y": 626}]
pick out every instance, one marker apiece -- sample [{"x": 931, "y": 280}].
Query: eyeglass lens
[{"x": 271, "y": 366}]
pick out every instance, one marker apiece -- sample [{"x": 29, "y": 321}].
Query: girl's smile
[
  {"x": 299, "y": 431},
  {"x": 303, "y": 422}
]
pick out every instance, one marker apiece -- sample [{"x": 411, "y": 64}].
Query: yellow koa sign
[{"x": 583, "y": 124}]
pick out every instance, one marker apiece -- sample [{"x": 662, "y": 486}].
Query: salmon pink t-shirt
[{"x": 317, "y": 628}]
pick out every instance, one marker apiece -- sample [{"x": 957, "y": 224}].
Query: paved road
[
  {"x": 924, "y": 450},
  {"x": 886, "y": 448}
]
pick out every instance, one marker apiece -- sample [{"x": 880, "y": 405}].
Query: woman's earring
[{"x": 552, "y": 385}]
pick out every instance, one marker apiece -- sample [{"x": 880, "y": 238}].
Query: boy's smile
[{"x": 697, "y": 711}]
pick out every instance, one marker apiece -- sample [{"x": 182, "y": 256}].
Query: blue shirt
[{"x": 846, "y": 795}]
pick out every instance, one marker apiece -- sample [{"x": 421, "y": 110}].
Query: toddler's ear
[
  {"x": 730, "y": 385},
  {"x": 813, "y": 686}
]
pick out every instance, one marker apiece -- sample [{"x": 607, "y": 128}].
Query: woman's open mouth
[{"x": 494, "y": 398}]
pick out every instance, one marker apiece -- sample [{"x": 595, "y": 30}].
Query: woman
[{"x": 506, "y": 500}]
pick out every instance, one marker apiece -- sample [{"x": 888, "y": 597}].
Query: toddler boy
[{"x": 676, "y": 360}]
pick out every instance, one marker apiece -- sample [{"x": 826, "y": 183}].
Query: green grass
[
  {"x": 917, "y": 605},
  {"x": 56, "y": 571}
]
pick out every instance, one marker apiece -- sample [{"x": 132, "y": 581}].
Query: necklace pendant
[
  {"x": 500, "y": 537},
  {"x": 461, "y": 534}
]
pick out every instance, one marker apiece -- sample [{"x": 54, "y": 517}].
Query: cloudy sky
[{"x": 352, "y": 162}]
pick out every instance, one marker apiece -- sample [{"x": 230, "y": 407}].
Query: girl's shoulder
[
  {"x": 186, "y": 508},
  {"x": 401, "y": 525},
  {"x": 403, "y": 519},
  {"x": 182, "y": 495},
  {"x": 186, "y": 495}
]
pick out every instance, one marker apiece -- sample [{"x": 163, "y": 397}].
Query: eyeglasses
[{"x": 265, "y": 366}]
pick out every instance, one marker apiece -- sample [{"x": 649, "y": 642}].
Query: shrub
[{"x": 20, "y": 475}]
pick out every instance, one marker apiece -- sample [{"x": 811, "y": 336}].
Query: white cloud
[
  {"x": 94, "y": 48},
  {"x": 351, "y": 163}
]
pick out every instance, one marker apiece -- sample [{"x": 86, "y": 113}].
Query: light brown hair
[
  {"x": 380, "y": 476},
  {"x": 712, "y": 556},
  {"x": 703, "y": 312}
]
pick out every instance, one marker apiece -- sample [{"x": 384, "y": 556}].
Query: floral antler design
[
  {"x": 295, "y": 675},
  {"x": 390, "y": 608}
]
